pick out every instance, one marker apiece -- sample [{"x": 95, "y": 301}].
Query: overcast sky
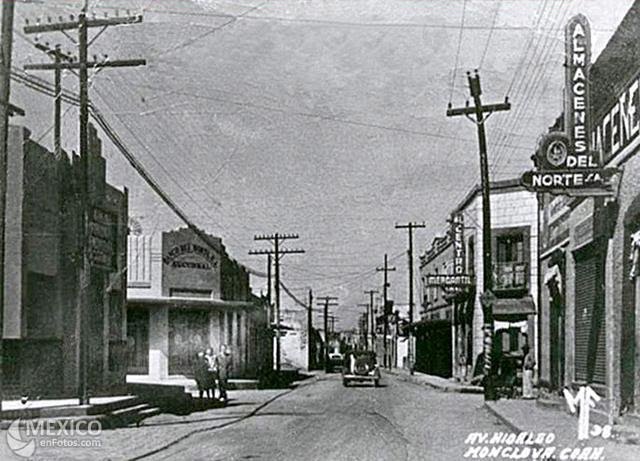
[{"x": 322, "y": 118}]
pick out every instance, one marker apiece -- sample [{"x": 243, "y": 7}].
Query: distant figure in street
[
  {"x": 223, "y": 363},
  {"x": 201, "y": 372},
  {"x": 212, "y": 372},
  {"x": 528, "y": 364}
]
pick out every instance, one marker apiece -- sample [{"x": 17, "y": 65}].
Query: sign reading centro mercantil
[
  {"x": 445, "y": 280},
  {"x": 458, "y": 243},
  {"x": 173, "y": 257}
]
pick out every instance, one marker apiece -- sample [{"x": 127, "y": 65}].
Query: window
[
  {"x": 510, "y": 248},
  {"x": 511, "y": 263}
]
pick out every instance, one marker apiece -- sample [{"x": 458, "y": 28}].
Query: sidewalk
[
  {"x": 435, "y": 382},
  {"x": 164, "y": 430},
  {"x": 526, "y": 416}
]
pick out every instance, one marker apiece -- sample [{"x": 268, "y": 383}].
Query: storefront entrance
[
  {"x": 188, "y": 335},
  {"x": 630, "y": 321},
  {"x": 433, "y": 348},
  {"x": 138, "y": 341},
  {"x": 590, "y": 347}
]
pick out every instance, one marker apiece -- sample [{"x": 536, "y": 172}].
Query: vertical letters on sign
[{"x": 578, "y": 60}]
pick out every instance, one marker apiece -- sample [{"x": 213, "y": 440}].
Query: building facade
[
  {"x": 42, "y": 312},
  {"x": 185, "y": 294},
  {"x": 453, "y": 315},
  {"x": 435, "y": 331},
  {"x": 590, "y": 246}
]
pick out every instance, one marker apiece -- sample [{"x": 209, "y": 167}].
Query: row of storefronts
[
  {"x": 152, "y": 301},
  {"x": 450, "y": 336},
  {"x": 589, "y": 303},
  {"x": 565, "y": 255}
]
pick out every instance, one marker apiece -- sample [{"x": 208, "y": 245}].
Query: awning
[
  {"x": 508, "y": 308},
  {"x": 426, "y": 324}
]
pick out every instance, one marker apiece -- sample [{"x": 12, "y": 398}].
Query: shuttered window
[{"x": 590, "y": 351}]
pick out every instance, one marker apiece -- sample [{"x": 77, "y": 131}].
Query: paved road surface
[
  {"x": 320, "y": 420},
  {"x": 324, "y": 421}
]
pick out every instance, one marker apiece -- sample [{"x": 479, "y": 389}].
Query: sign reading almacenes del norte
[{"x": 564, "y": 160}]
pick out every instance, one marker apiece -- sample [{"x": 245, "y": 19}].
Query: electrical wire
[
  {"x": 455, "y": 65},
  {"x": 491, "y": 31},
  {"x": 45, "y": 88}
]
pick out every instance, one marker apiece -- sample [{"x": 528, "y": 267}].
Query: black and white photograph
[{"x": 320, "y": 230}]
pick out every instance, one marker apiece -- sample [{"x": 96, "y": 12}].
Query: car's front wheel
[
  {"x": 345, "y": 383},
  {"x": 376, "y": 382}
]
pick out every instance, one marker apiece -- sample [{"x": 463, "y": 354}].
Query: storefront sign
[
  {"x": 578, "y": 61},
  {"x": 101, "y": 239},
  {"x": 458, "y": 244},
  {"x": 173, "y": 257},
  {"x": 620, "y": 125},
  {"x": 565, "y": 163},
  {"x": 447, "y": 280},
  {"x": 573, "y": 182}
]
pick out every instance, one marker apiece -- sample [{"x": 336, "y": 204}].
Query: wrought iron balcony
[{"x": 511, "y": 276}]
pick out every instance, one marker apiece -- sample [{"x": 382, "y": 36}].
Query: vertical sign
[
  {"x": 459, "y": 278},
  {"x": 577, "y": 64},
  {"x": 565, "y": 162},
  {"x": 458, "y": 244}
]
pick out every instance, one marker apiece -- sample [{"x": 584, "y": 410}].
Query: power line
[
  {"x": 44, "y": 87},
  {"x": 329, "y": 118},
  {"x": 491, "y": 31},
  {"x": 193, "y": 40},
  {"x": 455, "y": 66}
]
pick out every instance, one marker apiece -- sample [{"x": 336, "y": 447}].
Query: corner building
[{"x": 185, "y": 294}]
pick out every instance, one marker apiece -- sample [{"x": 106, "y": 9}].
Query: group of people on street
[{"x": 212, "y": 371}]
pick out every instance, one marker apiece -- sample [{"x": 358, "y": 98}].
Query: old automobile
[
  {"x": 335, "y": 362},
  {"x": 360, "y": 366}
]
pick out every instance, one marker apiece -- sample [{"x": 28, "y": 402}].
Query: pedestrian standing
[
  {"x": 201, "y": 374},
  {"x": 223, "y": 362},
  {"x": 528, "y": 365},
  {"x": 212, "y": 372}
]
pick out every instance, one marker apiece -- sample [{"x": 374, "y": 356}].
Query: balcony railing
[{"x": 511, "y": 276}]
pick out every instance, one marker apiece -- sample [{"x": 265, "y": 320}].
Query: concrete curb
[{"x": 456, "y": 388}]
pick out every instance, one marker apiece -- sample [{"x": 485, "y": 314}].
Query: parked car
[
  {"x": 360, "y": 367},
  {"x": 335, "y": 362}
]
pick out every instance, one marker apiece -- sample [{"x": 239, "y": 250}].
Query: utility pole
[
  {"x": 482, "y": 113},
  {"x": 326, "y": 301},
  {"x": 372, "y": 318},
  {"x": 410, "y": 226},
  {"x": 58, "y": 57},
  {"x": 310, "y": 329},
  {"x": 269, "y": 264},
  {"x": 277, "y": 252},
  {"x": 82, "y": 24},
  {"x": 386, "y": 269},
  {"x": 6, "y": 50}
]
